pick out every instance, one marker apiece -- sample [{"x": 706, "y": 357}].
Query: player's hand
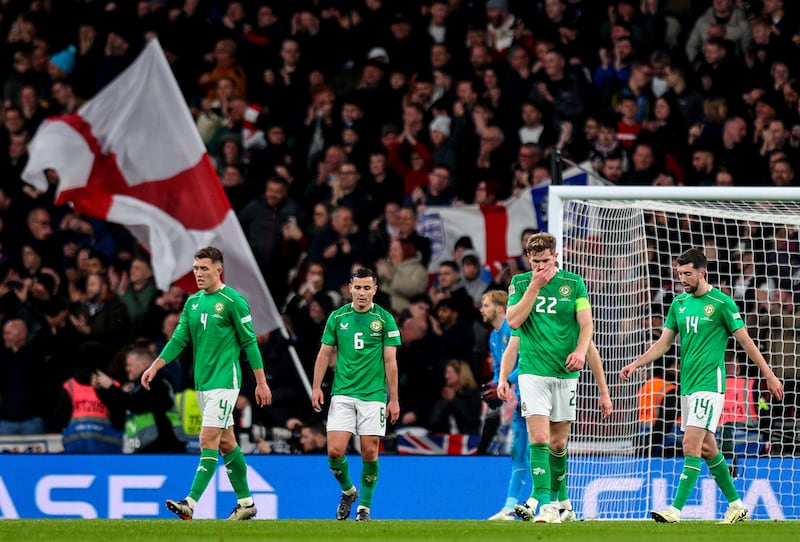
[
  {"x": 503, "y": 390},
  {"x": 317, "y": 399},
  {"x": 263, "y": 394},
  {"x": 575, "y": 361},
  {"x": 148, "y": 377},
  {"x": 627, "y": 371},
  {"x": 606, "y": 407},
  {"x": 775, "y": 387},
  {"x": 394, "y": 410}
]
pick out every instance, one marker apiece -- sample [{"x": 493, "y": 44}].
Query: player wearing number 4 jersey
[
  {"x": 549, "y": 313},
  {"x": 367, "y": 338},
  {"x": 704, "y": 317},
  {"x": 217, "y": 322}
]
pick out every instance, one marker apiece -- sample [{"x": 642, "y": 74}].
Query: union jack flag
[{"x": 437, "y": 444}]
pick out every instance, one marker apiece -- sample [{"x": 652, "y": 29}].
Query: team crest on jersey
[
  {"x": 564, "y": 290},
  {"x": 511, "y": 289},
  {"x": 219, "y": 307},
  {"x": 376, "y": 325},
  {"x": 708, "y": 310}
]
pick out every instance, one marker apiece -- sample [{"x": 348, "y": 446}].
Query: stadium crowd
[{"x": 331, "y": 122}]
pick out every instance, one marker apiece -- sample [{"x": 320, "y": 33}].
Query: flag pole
[{"x": 298, "y": 366}]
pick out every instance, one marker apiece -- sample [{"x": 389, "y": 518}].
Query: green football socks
[
  {"x": 236, "y": 467},
  {"x": 558, "y": 475},
  {"x": 204, "y": 473},
  {"x": 341, "y": 471},
  {"x": 369, "y": 479},
  {"x": 691, "y": 470},
  {"x": 540, "y": 472},
  {"x": 719, "y": 470}
]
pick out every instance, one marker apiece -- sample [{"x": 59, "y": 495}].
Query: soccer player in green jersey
[
  {"x": 704, "y": 317},
  {"x": 217, "y": 322},
  {"x": 548, "y": 309},
  {"x": 366, "y": 338}
]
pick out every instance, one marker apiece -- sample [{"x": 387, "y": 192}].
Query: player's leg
[
  {"x": 371, "y": 429},
  {"x": 520, "y": 469},
  {"x": 216, "y": 411},
  {"x": 535, "y": 394},
  {"x": 559, "y": 435},
  {"x": 236, "y": 467},
  {"x": 720, "y": 470},
  {"x": 341, "y": 426}
]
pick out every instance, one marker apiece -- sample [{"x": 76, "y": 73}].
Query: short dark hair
[
  {"x": 212, "y": 253},
  {"x": 693, "y": 256},
  {"x": 364, "y": 273}
]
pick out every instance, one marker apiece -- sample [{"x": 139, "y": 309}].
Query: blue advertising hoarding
[{"x": 302, "y": 487}]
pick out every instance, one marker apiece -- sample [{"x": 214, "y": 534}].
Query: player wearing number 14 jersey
[
  {"x": 704, "y": 317},
  {"x": 366, "y": 337}
]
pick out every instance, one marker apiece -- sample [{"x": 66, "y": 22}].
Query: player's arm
[
  {"x": 390, "y": 365},
  {"x": 577, "y": 359},
  {"x": 596, "y": 365},
  {"x": 320, "y": 367},
  {"x": 521, "y": 308},
  {"x": 507, "y": 364},
  {"x": 774, "y": 385},
  {"x": 656, "y": 350}
]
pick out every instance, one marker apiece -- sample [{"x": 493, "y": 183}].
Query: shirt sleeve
[
  {"x": 242, "y": 321},
  {"x": 329, "y": 334}
]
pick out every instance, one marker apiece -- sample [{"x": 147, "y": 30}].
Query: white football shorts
[
  {"x": 548, "y": 396},
  {"x": 217, "y": 407},
  {"x": 702, "y": 409},
  {"x": 356, "y": 416}
]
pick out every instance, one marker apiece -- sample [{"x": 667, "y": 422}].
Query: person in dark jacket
[{"x": 152, "y": 422}]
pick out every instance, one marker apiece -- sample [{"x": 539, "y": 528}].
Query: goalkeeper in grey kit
[{"x": 217, "y": 321}]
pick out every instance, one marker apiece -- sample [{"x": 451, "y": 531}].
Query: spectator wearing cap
[
  {"x": 501, "y": 27},
  {"x": 62, "y": 63},
  {"x": 444, "y": 144},
  {"x": 402, "y": 44}
]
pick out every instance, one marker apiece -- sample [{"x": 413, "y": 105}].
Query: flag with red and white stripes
[
  {"x": 495, "y": 230},
  {"x": 132, "y": 155}
]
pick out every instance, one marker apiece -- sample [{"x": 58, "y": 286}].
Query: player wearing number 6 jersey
[
  {"x": 704, "y": 317},
  {"x": 217, "y": 322},
  {"x": 366, "y": 337},
  {"x": 548, "y": 309}
]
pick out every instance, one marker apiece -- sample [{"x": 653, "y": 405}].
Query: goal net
[{"x": 623, "y": 241}]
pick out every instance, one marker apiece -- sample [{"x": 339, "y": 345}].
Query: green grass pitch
[{"x": 80, "y": 530}]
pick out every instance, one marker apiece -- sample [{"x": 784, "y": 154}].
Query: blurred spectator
[
  {"x": 459, "y": 408},
  {"x": 89, "y": 426},
  {"x": 272, "y": 223},
  {"x": 103, "y": 318},
  {"x": 402, "y": 274},
  {"x": 727, "y": 14},
  {"x": 23, "y": 406},
  {"x": 136, "y": 289},
  {"x": 152, "y": 423}
]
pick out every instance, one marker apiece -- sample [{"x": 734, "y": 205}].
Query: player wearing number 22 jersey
[{"x": 550, "y": 333}]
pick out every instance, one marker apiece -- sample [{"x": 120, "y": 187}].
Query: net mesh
[{"x": 625, "y": 250}]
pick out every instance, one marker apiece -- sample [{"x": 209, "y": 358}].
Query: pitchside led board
[{"x": 302, "y": 487}]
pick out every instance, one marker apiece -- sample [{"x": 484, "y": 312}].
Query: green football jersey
[
  {"x": 704, "y": 324},
  {"x": 550, "y": 333},
  {"x": 360, "y": 337},
  {"x": 219, "y": 326}
]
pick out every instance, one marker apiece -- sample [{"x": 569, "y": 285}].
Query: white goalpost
[{"x": 623, "y": 240}]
